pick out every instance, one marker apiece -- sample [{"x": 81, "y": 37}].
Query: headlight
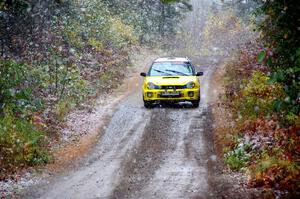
[
  {"x": 152, "y": 86},
  {"x": 191, "y": 85}
]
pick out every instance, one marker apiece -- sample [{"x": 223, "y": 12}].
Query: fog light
[
  {"x": 149, "y": 94},
  {"x": 191, "y": 94}
]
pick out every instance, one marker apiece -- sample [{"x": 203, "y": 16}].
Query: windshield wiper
[
  {"x": 160, "y": 71},
  {"x": 178, "y": 72}
]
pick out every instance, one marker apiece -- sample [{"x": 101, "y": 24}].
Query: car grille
[
  {"x": 163, "y": 96},
  {"x": 172, "y": 87}
]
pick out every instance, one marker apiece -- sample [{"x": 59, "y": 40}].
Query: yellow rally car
[{"x": 173, "y": 80}]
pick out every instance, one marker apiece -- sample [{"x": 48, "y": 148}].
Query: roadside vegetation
[
  {"x": 57, "y": 54},
  {"x": 261, "y": 102}
]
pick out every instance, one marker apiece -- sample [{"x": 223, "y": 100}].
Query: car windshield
[{"x": 171, "y": 69}]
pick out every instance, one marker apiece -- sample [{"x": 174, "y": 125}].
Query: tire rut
[
  {"x": 167, "y": 167},
  {"x": 147, "y": 156}
]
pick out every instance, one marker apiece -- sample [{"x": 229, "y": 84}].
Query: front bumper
[{"x": 183, "y": 94}]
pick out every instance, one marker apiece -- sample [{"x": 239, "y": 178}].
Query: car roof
[{"x": 171, "y": 59}]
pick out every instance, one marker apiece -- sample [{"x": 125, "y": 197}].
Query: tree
[
  {"x": 280, "y": 33},
  {"x": 152, "y": 18}
]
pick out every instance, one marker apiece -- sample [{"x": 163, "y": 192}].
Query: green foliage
[
  {"x": 2, "y": 3},
  {"x": 280, "y": 32},
  {"x": 122, "y": 34},
  {"x": 17, "y": 5},
  {"x": 150, "y": 19},
  {"x": 97, "y": 23},
  {"x": 21, "y": 144},
  {"x": 61, "y": 79},
  {"x": 261, "y": 56},
  {"x": 256, "y": 97},
  {"x": 63, "y": 107},
  {"x": 237, "y": 158},
  {"x": 15, "y": 87}
]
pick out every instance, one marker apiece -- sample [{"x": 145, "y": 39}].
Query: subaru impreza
[{"x": 171, "y": 79}]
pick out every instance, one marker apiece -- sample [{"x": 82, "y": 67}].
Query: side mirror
[
  {"x": 143, "y": 74},
  {"x": 199, "y": 73}
]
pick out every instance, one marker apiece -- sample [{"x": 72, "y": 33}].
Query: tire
[
  {"x": 148, "y": 104},
  {"x": 195, "y": 103}
]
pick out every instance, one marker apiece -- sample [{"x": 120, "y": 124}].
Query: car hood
[{"x": 171, "y": 80}]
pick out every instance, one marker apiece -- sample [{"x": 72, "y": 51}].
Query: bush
[
  {"x": 63, "y": 107},
  {"x": 282, "y": 42},
  {"x": 122, "y": 34},
  {"x": 238, "y": 158},
  {"x": 21, "y": 145},
  {"x": 273, "y": 171},
  {"x": 256, "y": 97},
  {"x": 15, "y": 90}
]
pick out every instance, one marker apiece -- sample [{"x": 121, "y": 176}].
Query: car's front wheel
[
  {"x": 148, "y": 104},
  {"x": 195, "y": 103}
]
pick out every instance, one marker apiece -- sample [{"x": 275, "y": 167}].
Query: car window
[{"x": 171, "y": 69}]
